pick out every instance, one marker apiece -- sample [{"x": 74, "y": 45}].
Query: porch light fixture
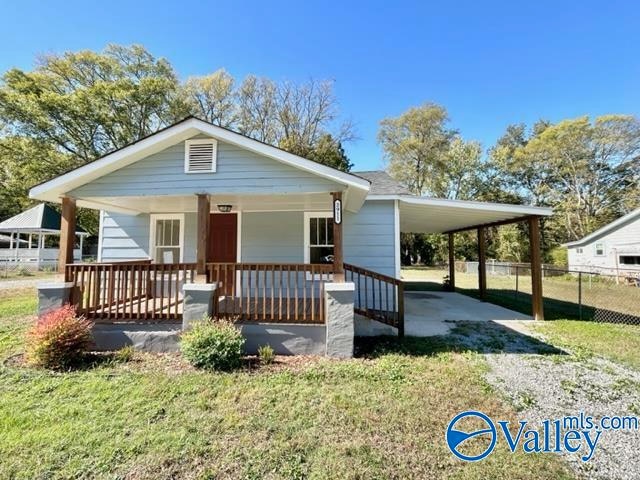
[{"x": 224, "y": 208}]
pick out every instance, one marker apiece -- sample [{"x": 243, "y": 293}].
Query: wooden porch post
[
  {"x": 204, "y": 211},
  {"x": 482, "y": 264},
  {"x": 338, "y": 259},
  {"x": 537, "y": 307},
  {"x": 452, "y": 264},
  {"x": 67, "y": 233}
]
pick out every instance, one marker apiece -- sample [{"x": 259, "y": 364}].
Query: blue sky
[{"x": 489, "y": 63}]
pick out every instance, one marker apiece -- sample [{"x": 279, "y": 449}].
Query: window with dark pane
[
  {"x": 167, "y": 247},
  {"x": 320, "y": 240}
]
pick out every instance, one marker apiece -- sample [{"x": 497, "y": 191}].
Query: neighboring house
[
  {"x": 273, "y": 230},
  {"x": 25, "y": 238},
  {"x": 613, "y": 249}
]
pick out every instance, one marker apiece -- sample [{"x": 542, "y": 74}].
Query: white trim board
[{"x": 470, "y": 204}]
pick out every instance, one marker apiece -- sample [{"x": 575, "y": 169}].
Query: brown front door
[{"x": 223, "y": 245}]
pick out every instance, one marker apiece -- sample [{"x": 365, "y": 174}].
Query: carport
[{"x": 436, "y": 215}]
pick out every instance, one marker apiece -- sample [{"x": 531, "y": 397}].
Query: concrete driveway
[{"x": 431, "y": 313}]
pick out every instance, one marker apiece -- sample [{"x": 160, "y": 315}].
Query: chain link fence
[{"x": 570, "y": 294}]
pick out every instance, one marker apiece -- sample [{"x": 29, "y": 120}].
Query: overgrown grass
[
  {"x": 620, "y": 343},
  {"x": 380, "y": 416}
]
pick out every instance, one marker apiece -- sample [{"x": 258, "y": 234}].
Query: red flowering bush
[{"x": 59, "y": 339}]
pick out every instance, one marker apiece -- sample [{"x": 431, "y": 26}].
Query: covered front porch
[{"x": 270, "y": 258}]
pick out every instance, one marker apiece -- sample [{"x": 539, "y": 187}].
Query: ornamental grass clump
[
  {"x": 59, "y": 340},
  {"x": 266, "y": 354},
  {"x": 213, "y": 345}
]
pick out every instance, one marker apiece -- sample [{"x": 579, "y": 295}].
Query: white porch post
[{"x": 81, "y": 241}]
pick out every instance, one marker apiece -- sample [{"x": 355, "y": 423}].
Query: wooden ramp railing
[
  {"x": 265, "y": 292},
  {"x": 378, "y": 297},
  {"x": 137, "y": 290}
]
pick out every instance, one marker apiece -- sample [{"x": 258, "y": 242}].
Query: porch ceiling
[
  {"x": 430, "y": 215},
  {"x": 188, "y": 203}
]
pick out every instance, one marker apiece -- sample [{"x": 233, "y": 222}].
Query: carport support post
[
  {"x": 204, "y": 209},
  {"x": 482, "y": 264},
  {"x": 537, "y": 307},
  {"x": 452, "y": 265},
  {"x": 67, "y": 233}
]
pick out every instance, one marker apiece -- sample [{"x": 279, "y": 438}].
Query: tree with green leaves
[
  {"x": 415, "y": 146},
  {"x": 588, "y": 171},
  {"x": 87, "y": 104},
  {"x": 430, "y": 158},
  {"x": 75, "y": 107},
  {"x": 212, "y": 98}
]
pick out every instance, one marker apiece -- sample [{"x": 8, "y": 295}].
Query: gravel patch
[
  {"x": 26, "y": 283},
  {"x": 543, "y": 382}
]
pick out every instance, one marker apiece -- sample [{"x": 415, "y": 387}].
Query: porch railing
[
  {"x": 279, "y": 293},
  {"x": 137, "y": 290},
  {"x": 266, "y": 292},
  {"x": 378, "y": 297}
]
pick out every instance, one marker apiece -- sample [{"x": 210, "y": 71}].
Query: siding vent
[{"x": 200, "y": 156}]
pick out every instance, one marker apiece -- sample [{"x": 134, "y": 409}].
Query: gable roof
[
  {"x": 382, "y": 183},
  {"x": 53, "y": 189},
  {"x": 41, "y": 218},
  {"x": 620, "y": 222}
]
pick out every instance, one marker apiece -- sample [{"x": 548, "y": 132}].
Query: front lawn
[
  {"x": 620, "y": 343},
  {"x": 380, "y": 416}
]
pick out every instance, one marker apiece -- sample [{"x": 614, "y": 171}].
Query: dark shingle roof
[{"x": 382, "y": 183}]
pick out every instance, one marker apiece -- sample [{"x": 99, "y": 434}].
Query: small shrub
[
  {"x": 266, "y": 354},
  {"x": 59, "y": 339},
  {"x": 124, "y": 355},
  {"x": 213, "y": 345}
]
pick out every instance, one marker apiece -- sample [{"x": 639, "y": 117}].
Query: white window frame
[
  {"x": 154, "y": 217},
  {"x": 307, "y": 241},
  {"x": 214, "y": 160},
  {"x": 579, "y": 251},
  {"x": 595, "y": 250}
]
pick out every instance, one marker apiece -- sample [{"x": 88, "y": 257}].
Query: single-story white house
[
  {"x": 612, "y": 249},
  {"x": 199, "y": 204}
]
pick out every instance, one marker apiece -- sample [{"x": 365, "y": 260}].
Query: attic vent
[{"x": 200, "y": 156}]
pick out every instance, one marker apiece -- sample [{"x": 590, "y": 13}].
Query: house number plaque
[{"x": 337, "y": 211}]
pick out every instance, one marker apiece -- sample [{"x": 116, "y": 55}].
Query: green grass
[
  {"x": 620, "y": 343},
  {"x": 16, "y": 310},
  {"x": 380, "y": 416}
]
